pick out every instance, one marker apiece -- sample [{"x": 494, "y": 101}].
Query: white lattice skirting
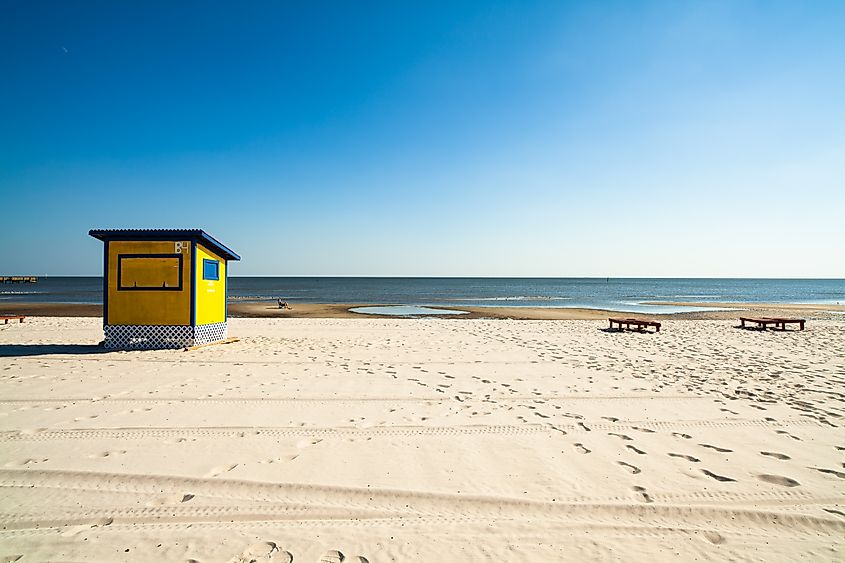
[{"x": 154, "y": 337}]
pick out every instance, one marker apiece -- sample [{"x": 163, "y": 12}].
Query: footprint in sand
[
  {"x": 683, "y": 456},
  {"x": 833, "y": 472},
  {"x": 635, "y": 449},
  {"x": 25, "y": 462},
  {"x": 778, "y": 480},
  {"x": 107, "y": 454},
  {"x": 220, "y": 469},
  {"x": 775, "y": 455},
  {"x": 646, "y": 430},
  {"x": 623, "y": 436},
  {"x": 263, "y": 551},
  {"x": 632, "y": 468},
  {"x": 720, "y": 478},
  {"x": 681, "y": 435},
  {"x": 611, "y": 418},
  {"x": 335, "y": 556},
  {"x": 581, "y": 448},
  {"x": 171, "y": 499},
  {"x": 717, "y": 448},
  {"x": 70, "y": 531},
  {"x": 176, "y": 440},
  {"x": 641, "y": 494},
  {"x": 785, "y": 433},
  {"x": 713, "y": 537},
  {"x": 332, "y": 556},
  {"x": 308, "y": 442}
]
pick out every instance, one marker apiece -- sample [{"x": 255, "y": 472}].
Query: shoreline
[{"x": 268, "y": 309}]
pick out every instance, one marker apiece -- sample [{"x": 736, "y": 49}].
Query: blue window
[{"x": 210, "y": 269}]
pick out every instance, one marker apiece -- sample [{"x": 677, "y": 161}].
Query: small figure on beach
[{"x": 283, "y": 304}]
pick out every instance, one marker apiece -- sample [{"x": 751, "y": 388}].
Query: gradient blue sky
[{"x": 457, "y": 138}]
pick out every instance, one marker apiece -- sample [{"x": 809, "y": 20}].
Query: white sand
[{"x": 424, "y": 440}]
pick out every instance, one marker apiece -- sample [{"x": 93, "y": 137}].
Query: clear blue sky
[{"x": 458, "y": 138}]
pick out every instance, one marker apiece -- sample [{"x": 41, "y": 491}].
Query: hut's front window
[{"x": 149, "y": 272}]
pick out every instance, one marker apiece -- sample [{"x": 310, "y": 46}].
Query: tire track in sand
[{"x": 40, "y": 435}]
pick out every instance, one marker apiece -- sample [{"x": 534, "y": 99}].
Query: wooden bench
[
  {"x": 764, "y": 322},
  {"x": 628, "y": 323},
  {"x": 7, "y": 318}
]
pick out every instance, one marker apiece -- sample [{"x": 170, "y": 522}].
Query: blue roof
[{"x": 197, "y": 235}]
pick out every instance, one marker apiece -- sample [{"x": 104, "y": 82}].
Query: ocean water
[{"x": 620, "y": 294}]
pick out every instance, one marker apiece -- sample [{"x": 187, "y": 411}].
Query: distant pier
[{"x": 18, "y": 279}]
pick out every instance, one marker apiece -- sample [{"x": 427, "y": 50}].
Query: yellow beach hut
[{"x": 163, "y": 288}]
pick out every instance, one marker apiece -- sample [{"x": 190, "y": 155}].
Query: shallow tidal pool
[{"x": 405, "y": 311}]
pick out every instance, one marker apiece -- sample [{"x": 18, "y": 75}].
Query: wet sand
[
  {"x": 269, "y": 309},
  {"x": 341, "y": 310},
  {"x": 51, "y": 309}
]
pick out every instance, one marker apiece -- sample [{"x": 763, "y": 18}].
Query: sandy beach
[{"x": 424, "y": 440}]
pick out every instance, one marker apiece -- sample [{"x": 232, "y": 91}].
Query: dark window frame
[{"x": 121, "y": 257}]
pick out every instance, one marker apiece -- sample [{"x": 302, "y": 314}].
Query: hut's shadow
[{"x": 22, "y": 350}]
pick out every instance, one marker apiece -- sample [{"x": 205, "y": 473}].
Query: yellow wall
[
  {"x": 211, "y": 295},
  {"x": 148, "y": 307}
]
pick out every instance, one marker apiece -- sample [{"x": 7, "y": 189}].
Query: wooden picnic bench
[
  {"x": 7, "y": 318},
  {"x": 639, "y": 323},
  {"x": 764, "y": 322}
]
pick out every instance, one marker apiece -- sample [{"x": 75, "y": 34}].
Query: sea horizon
[{"x": 645, "y": 295}]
